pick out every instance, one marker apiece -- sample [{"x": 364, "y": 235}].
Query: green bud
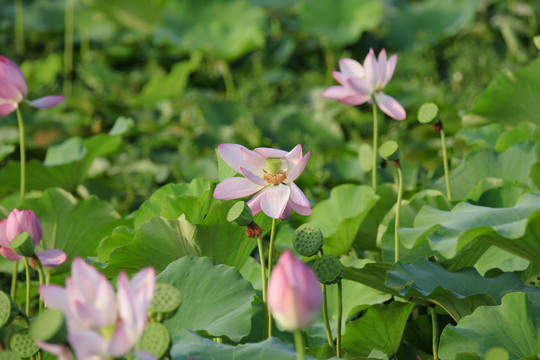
[
  {"x": 23, "y": 245},
  {"x": 49, "y": 327},
  {"x": 307, "y": 239},
  {"x": 240, "y": 214},
  {"x": 428, "y": 113},
  {"x": 273, "y": 165},
  {"x": 389, "y": 150},
  {"x": 329, "y": 269}
]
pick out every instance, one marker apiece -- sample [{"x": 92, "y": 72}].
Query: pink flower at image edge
[
  {"x": 13, "y": 90},
  {"x": 360, "y": 83},
  {"x": 276, "y": 194}
]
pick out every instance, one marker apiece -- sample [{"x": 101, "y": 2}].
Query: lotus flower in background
[
  {"x": 360, "y": 83},
  {"x": 100, "y": 324},
  {"x": 20, "y": 221},
  {"x": 270, "y": 173},
  {"x": 294, "y": 293},
  {"x": 13, "y": 90}
]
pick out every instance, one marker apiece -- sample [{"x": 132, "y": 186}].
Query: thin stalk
[
  {"x": 263, "y": 282},
  {"x": 27, "y": 271},
  {"x": 14, "y": 279},
  {"x": 398, "y": 208},
  {"x": 68, "y": 44},
  {"x": 84, "y": 31},
  {"x": 340, "y": 317},
  {"x": 41, "y": 274},
  {"x": 230, "y": 89},
  {"x": 23, "y": 152},
  {"x": 435, "y": 332},
  {"x": 445, "y": 164},
  {"x": 270, "y": 253},
  {"x": 19, "y": 27},
  {"x": 329, "y": 60},
  {"x": 326, "y": 319},
  {"x": 374, "y": 155},
  {"x": 299, "y": 345}
]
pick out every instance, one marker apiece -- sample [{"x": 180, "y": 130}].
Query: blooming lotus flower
[
  {"x": 294, "y": 293},
  {"x": 268, "y": 172},
  {"x": 20, "y": 221},
  {"x": 360, "y": 83},
  {"x": 13, "y": 90},
  {"x": 100, "y": 324}
]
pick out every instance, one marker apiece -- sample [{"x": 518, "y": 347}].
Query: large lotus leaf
[
  {"x": 513, "y": 228},
  {"x": 340, "y": 22},
  {"x": 429, "y": 21},
  {"x": 482, "y": 136},
  {"x": 460, "y": 292},
  {"x": 381, "y": 328},
  {"x": 139, "y": 15},
  {"x": 73, "y": 226},
  {"x": 372, "y": 275},
  {"x": 226, "y": 29},
  {"x": 511, "y": 98},
  {"x": 170, "y": 201},
  {"x": 340, "y": 217},
  {"x": 513, "y": 326},
  {"x": 514, "y": 164},
  {"x": 526, "y": 131},
  {"x": 66, "y": 165},
  {"x": 191, "y": 346},
  {"x": 497, "y": 258},
  {"x": 160, "y": 241},
  {"x": 216, "y": 300}
]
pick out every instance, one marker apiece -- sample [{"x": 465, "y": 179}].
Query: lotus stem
[
  {"x": 270, "y": 253},
  {"x": 398, "y": 208},
  {"x": 41, "y": 274},
  {"x": 68, "y": 44},
  {"x": 299, "y": 345},
  {"x": 374, "y": 154},
  {"x": 13, "y": 292},
  {"x": 435, "y": 331},
  {"x": 263, "y": 282},
  {"x": 27, "y": 271},
  {"x": 23, "y": 153},
  {"x": 19, "y": 27},
  {"x": 326, "y": 319},
  {"x": 340, "y": 317},
  {"x": 445, "y": 164}
]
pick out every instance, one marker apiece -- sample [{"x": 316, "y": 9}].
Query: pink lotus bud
[
  {"x": 20, "y": 221},
  {"x": 294, "y": 293}
]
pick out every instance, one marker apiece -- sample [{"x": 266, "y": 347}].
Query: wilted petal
[
  {"x": 390, "y": 106},
  {"x": 7, "y": 108},
  {"x": 351, "y": 68},
  {"x": 46, "y": 101},
  {"x": 361, "y": 86},
  {"x": 51, "y": 257},
  {"x": 371, "y": 71},
  {"x": 234, "y": 188},
  {"x": 274, "y": 199},
  {"x": 297, "y": 170},
  {"x": 337, "y": 92}
]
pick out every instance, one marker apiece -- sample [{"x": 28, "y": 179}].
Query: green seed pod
[
  {"x": 155, "y": 340},
  {"x": 166, "y": 301},
  {"x": 240, "y": 214},
  {"x": 8, "y": 308},
  {"x": 536, "y": 40},
  {"x": 49, "y": 327},
  {"x": 308, "y": 239},
  {"x": 329, "y": 269},
  {"x": 389, "y": 150},
  {"x": 428, "y": 113},
  {"x": 273, "y": 165},
  {"x": 23, "y": 345},
  {"x": 23, "y": 245}
]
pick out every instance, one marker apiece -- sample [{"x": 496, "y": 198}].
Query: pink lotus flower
[
  {"x": 268, "y": 172},
  {"x": 20, "y": 221},
  {"x": 294, "y": 293},
  {"x": 101, "y": 325},
  {"x": 360, "y": 83},
  {"x": 13, "y": 90}
]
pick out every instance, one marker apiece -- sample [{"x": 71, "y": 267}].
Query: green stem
[
  {"x": 445, "y": 164},
  {"x": 230, "y": 89},
  {"x": 68, "y": 44},
  {"x": 374, "y": 155},
  {"x": 263, "y": 282},
  {"x": 27, "y": 271},
  {"x": 326, "y": 319},
  {"x": 340, "y": 317},
  {"x": 41, "y": 273},
  {"x": 84, "y": 36},
  {"x": 23, "y": 152},
  {"x": 19, "y": 27},
  {"x": 299, "y": 345},
  {"x": 398, "y": 208},
  {"x": 14, "y": 279},
  {"x": 270, "y": 253},
  {"x": 435, "y": 331}
]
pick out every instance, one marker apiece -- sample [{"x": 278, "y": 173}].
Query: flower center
[{"x": 274, "y": 174}]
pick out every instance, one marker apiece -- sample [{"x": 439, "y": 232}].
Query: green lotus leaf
[
  {"x": 513, "y": 326},
  {"x": 216, "y": 300},
  {"x": 460, "y": 292}
]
